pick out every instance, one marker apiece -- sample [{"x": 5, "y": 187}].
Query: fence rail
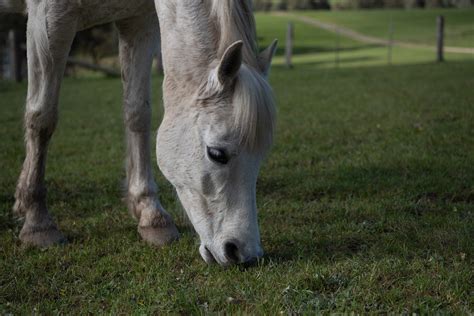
[{"x": 438, "y": 26}]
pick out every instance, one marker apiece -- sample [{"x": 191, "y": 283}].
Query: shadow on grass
[
  {"x": 397, "y": 192},
  {"x": 413, "y": 182},
  {"x": 352, "y": 210},
  {"x": 89, "y": 210},
  {"x": 323, "y": 251}
]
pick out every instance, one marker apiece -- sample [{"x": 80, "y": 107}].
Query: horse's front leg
[
  {"x": 48, "y": 44},
  {"x": 138, "y": 38}
]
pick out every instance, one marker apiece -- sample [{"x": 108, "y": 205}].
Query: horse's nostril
[{"x": 231, "y": 251}]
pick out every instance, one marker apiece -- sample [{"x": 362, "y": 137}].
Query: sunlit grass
[{"x": 416, "y": 26}]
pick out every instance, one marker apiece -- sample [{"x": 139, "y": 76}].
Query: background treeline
[{"x": 357, "y": 4}]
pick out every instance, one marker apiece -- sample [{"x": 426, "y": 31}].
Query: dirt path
[{"x": 369, "y": 39}]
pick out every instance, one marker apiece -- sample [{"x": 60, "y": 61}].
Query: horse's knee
[
  {"x": 42, "y": 119},
  {"x": 138, "y": 116}
]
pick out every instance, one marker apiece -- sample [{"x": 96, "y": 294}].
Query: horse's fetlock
[
  {"x": 133, "y": 208},
  {"x": 140, "y": 206},
  {"x": 29, "y": 198}
]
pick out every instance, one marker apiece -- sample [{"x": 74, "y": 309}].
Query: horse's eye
[{"x": 217, "y": 155}]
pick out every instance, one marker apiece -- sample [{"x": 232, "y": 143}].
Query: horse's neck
[{"x": 188, "y": 41}]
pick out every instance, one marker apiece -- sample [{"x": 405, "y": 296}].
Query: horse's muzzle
[{"x": 231, "y": 253}]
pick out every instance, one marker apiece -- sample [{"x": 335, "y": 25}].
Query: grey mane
[{"x": 236, "y": 22}]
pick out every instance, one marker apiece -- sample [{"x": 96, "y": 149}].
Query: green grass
[
  {"x": 314, "y": 46},
  {"x": 417, "y": 26},
  {"x": 366, "y": 202}
]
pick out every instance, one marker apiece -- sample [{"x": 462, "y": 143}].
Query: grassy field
[
  {"x": 366, "y": 202},
  {"x": 314, "y": 46},
  {"x": 416, "y": 26}
]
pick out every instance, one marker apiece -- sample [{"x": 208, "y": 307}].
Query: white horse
[{"x": 218, "y": 121}]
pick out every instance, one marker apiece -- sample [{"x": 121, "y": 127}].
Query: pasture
[
  {"x": 415, "y": 26},
  {"x": 366, "y": 202}
]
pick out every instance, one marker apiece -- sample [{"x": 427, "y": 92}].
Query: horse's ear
[
  {"x": 230, "y": 63},
  {"x": 265, "y": 58}
]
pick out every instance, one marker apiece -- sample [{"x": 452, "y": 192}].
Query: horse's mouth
[{"x": 207, "y": 255}]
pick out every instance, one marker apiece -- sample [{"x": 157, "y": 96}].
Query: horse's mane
[
  {"x": 235, "y": 21},
  {"x": 254, "y": 108}
]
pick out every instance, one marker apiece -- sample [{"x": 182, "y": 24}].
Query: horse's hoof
[
  {"x": 159, "y": 236},
  {"x": 41, "y": 237}
]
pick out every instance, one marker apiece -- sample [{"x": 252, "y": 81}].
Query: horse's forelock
[
  {"x": 254, "y": 110},
  {"x": 253, "y": 105}
]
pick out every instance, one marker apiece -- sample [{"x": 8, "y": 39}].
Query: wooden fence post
[
  {"x": 289, "y": 45},
  {"x": 159, "y": 56},
  {"x": 390, "y": 39},
  {"x": 440, "y": 38},
  {"x": 15, "y": 55},
  {"x": 337, "y": 47}
]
